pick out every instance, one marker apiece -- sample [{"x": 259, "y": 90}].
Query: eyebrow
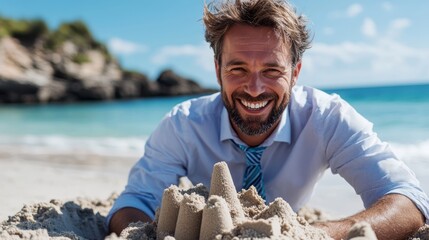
[
  {"x": 235, "y": 62},
  {"x": 274, "y": 65}
]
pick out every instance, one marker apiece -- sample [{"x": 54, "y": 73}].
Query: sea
[{"x": 400, "y": 115}]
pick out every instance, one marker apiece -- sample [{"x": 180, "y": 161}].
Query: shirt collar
[{"x": 281, "y": 134}]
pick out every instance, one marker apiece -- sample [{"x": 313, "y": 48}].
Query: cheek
[
  {"x": 228, "y": 86},
  {"x": 228, "y": 94},
  {"x": 282, "y": 87},
  {"x": 225, "y": 90},
  {"x": 283, "y": 91}
]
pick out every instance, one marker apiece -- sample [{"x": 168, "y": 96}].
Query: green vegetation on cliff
[
  {"x": 78, "y": 33},
  {"x": 29, "y": 31}
]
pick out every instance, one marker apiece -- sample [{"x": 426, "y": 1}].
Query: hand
[
  {"x": 336, "y": 229},
  {"x": 393, "y": 216},
  {"x": 123, "y": 217}
]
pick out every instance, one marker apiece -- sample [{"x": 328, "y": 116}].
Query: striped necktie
[{"x": 253, "y": 174}]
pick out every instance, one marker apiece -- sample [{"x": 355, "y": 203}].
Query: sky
[{"x": 355, "y": 43}]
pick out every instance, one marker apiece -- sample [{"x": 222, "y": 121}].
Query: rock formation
[{"x": 68, "y": 64}]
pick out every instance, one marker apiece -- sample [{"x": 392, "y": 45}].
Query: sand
[
  {"x": 192, "y": 213},
  {"x": 77, "y": 219}
]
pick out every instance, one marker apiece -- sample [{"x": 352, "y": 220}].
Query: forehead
[{"x": 253, "y": 41}]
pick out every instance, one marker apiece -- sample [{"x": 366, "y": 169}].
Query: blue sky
[{"x": 355, "y": 42}]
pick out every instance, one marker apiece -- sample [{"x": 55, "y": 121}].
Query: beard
[{"x": 254, "y": 125}]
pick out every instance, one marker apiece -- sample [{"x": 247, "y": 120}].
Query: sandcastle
[
  {"x": 225, "y": 214},
  {"x": 195, "y": 213}
]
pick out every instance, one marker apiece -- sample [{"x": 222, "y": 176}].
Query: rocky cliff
[{"x": 40, "y": 66}]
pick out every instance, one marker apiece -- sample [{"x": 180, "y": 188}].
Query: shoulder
[
  {"x": 195, "y": 113},
  {"x": 324, "y": 110},
  {"x": 321, "y": 104},
  {"x": 314, "y": 99},
  {"x": 196, "y": 108},
  {"x": 188, "y": 118}
]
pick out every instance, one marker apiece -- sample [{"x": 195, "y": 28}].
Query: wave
[
  {"x": 133, "y": 146},
  {"x": 418, "y": 152},
  {"x": 57, "y": 144}
]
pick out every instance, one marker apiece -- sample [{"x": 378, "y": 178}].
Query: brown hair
[{"x": 278, "y": 14}]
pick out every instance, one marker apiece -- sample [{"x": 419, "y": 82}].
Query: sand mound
[
  {"x": 185, "y": 213},
  {"x": 78, "y": 219}
]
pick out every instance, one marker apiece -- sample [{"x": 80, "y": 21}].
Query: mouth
[{"x": 254, "y": 106}]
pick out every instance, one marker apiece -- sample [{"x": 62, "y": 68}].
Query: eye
[
  {"x": 237, "y": 71},
  {"x": 272, "y": 73}
]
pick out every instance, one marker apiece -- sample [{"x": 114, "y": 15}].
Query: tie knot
[
  {"x": 253, "y": 154},
  {"x": 252, "y": 149}
]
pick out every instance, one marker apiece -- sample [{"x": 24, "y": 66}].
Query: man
[{"x": 258, "y": 47}]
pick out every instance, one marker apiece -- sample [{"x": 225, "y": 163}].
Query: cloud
[
  {"x": 328, "y": 31},
  {"x": 387, "y": 6},
  {"x": 351, "y": 12},
  {"x": 379, "y": 59},
  {"x": 397, "y": 26},
  {"x": 400, "y": 23},
  {"x": 354, "y": 10},
  {"x": 124, "y": 47},
  {"x": 357, "y": 63},
  {"x": 202, "y": 55},
  {"x": 369, "y": 28}
]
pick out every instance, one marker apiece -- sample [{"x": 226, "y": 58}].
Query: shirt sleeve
[
  {"x": 369, "y": 165},
  {"x": 162, "y": 164}
]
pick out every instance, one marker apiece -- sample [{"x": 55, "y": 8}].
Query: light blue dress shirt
[{"x": 317, "y": 131}]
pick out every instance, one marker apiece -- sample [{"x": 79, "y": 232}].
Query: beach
[
  {"x": 45, "y": 177},
  {"x": 71, "y": 201},
  {"x": 81, "y": 92},
  {"x": 31, "y": 178},
  {"x": 85, "y": 150}
]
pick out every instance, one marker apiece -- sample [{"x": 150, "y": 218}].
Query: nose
[{"x": 254, "y": 85}]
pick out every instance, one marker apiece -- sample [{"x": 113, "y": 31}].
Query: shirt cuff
[{"x": 418, "y": 197}]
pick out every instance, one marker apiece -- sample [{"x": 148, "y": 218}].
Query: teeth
[{"x": 253, "y": 105}]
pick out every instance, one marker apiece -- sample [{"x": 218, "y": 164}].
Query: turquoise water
[
  {"x": 134, "y": 118},
  {"x": 400, "y": 115}
]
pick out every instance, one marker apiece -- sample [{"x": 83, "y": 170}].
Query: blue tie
[{"x": 253, "y": 174}]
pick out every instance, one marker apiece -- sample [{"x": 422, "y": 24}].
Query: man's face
[{"x": 256, "y": 77}]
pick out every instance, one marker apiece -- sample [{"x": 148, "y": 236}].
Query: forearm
[
  {"x": 123, "y": 217},
  {"x": 394, "y": 216}
]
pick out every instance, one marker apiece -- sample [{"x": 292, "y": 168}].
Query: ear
[
  {"x": 217, "y": 72},
  {"x": 295, "y": 73}
]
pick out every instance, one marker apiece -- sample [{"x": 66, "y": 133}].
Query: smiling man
[
  {"x": 273, "y": 135},
  {"x": 256, "y": 76}
]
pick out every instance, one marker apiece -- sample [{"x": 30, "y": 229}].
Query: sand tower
[
  {"x": 222, "y": 185},
  {"x": 216, "y": 218},
  {"x": 169, "y": 211},
  {"x": 190, "y": 216}
]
